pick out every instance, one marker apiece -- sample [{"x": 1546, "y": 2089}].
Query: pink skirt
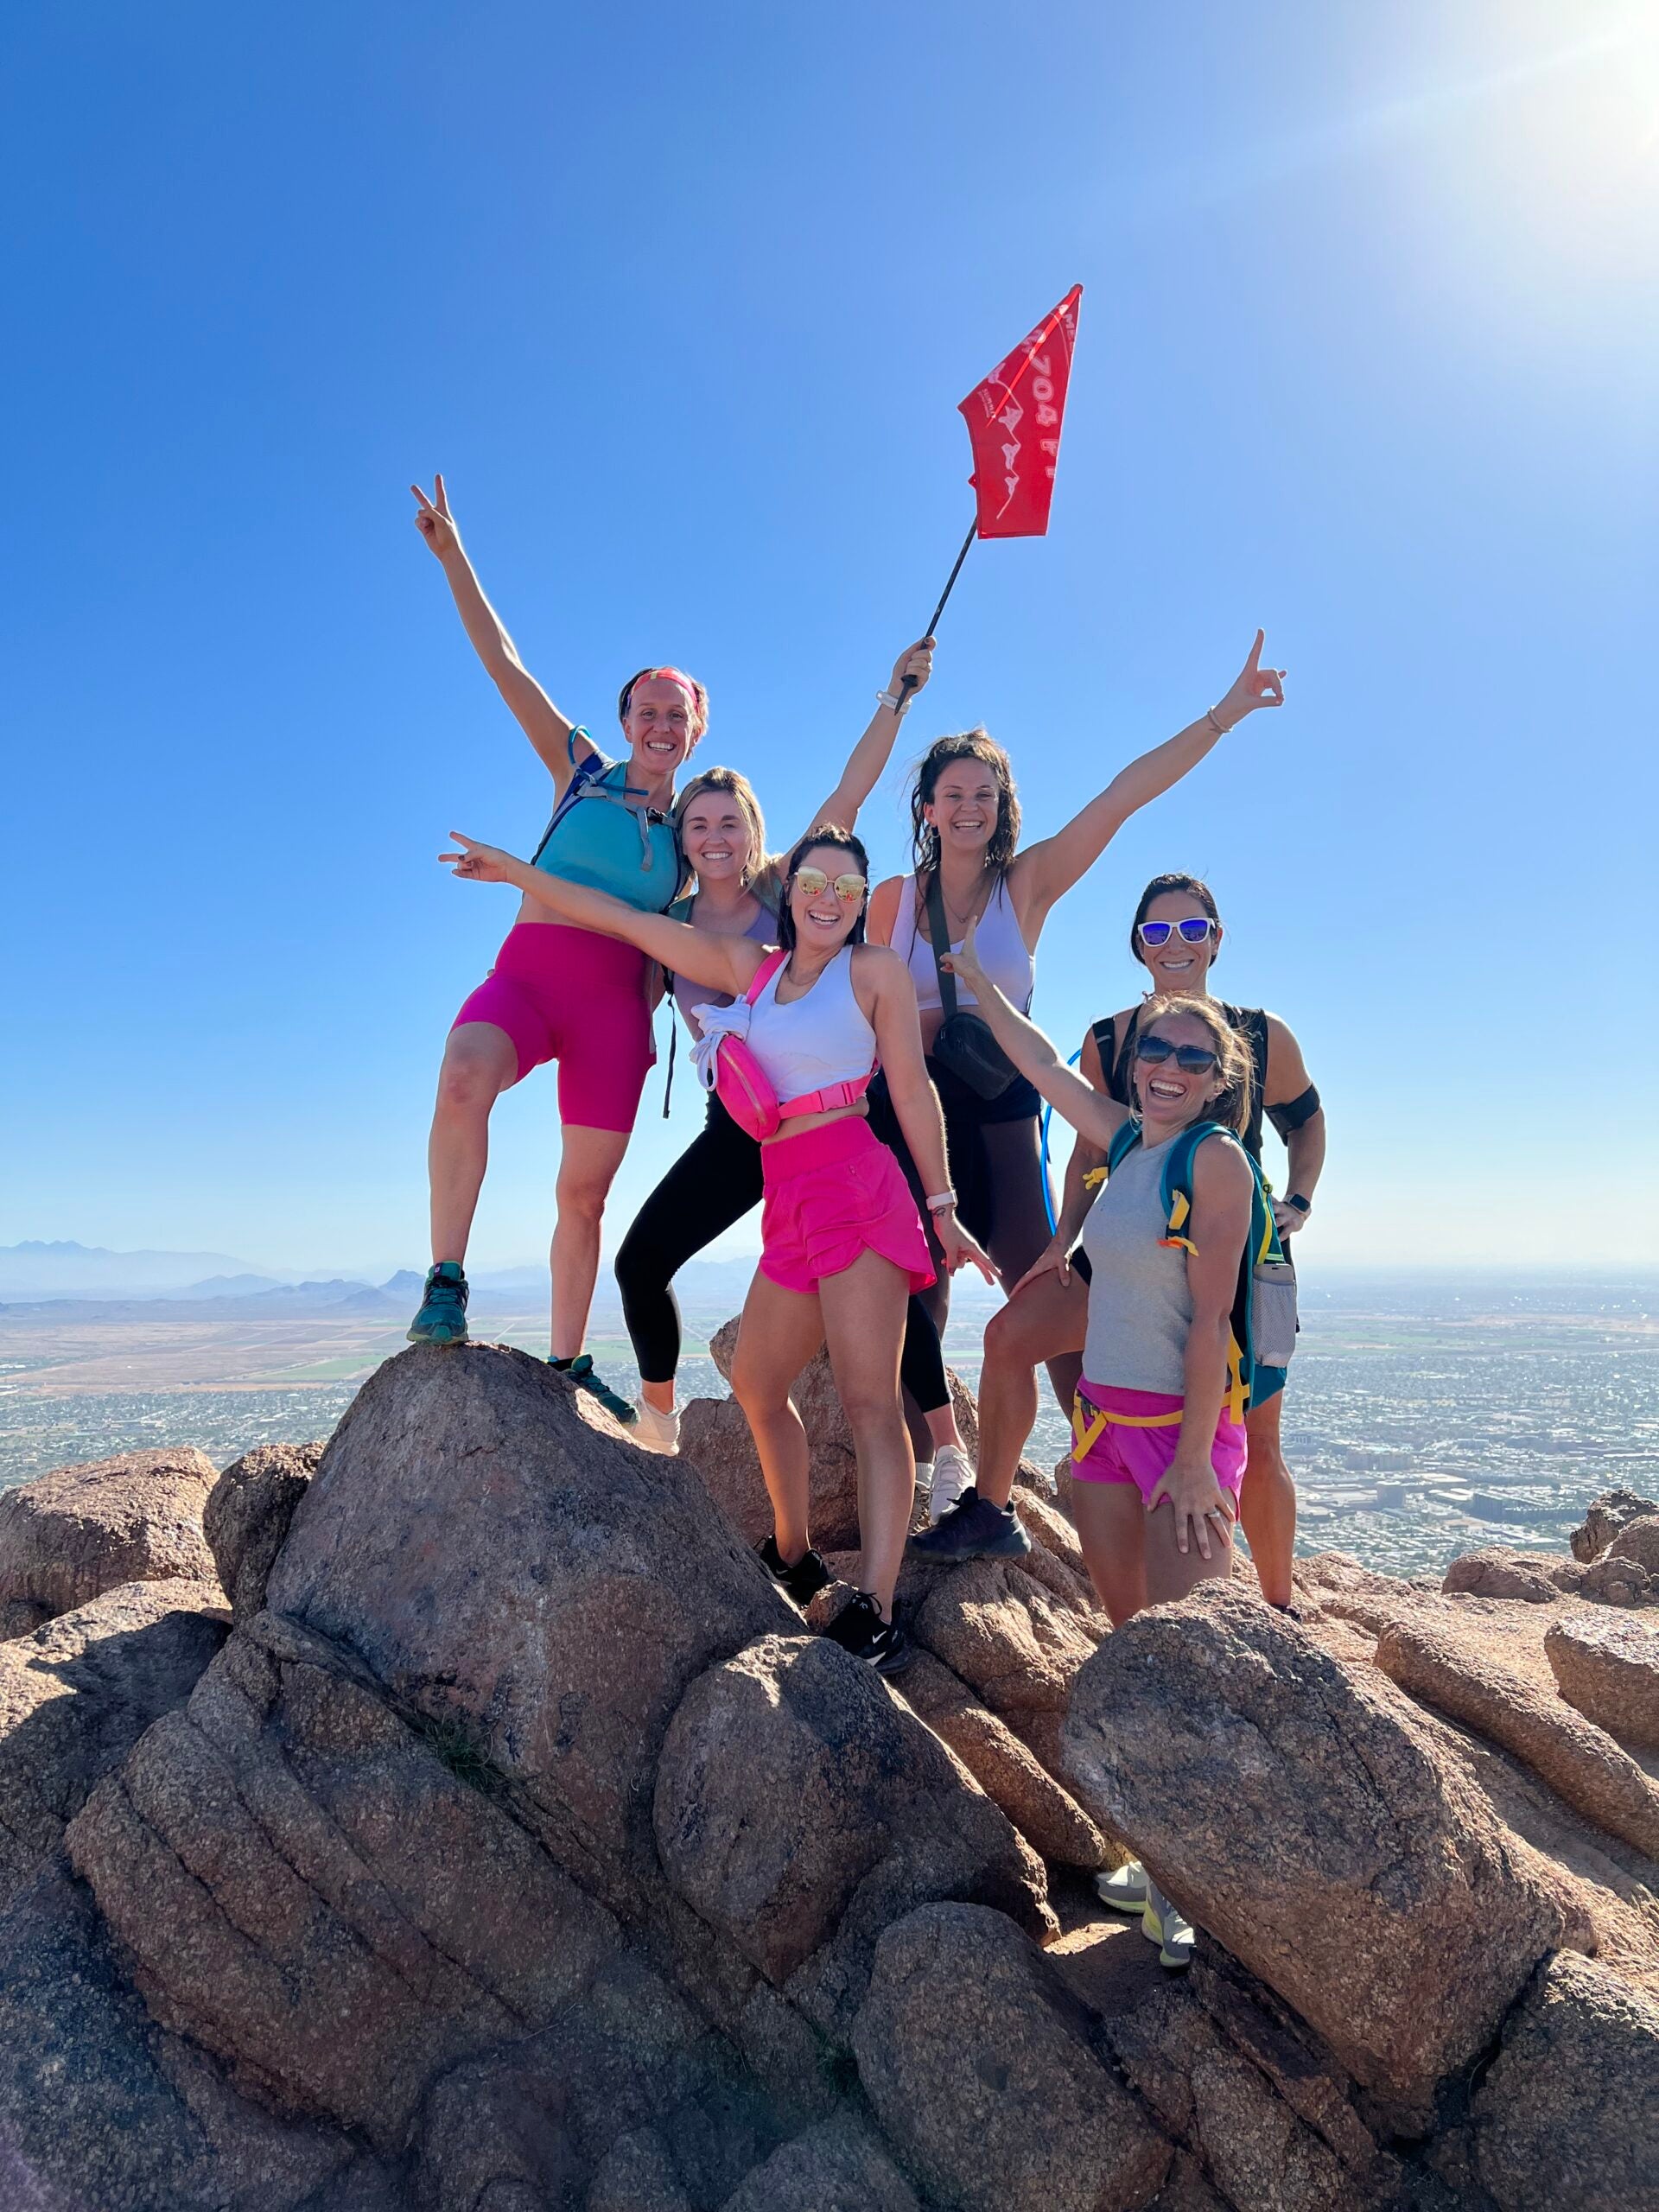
[{"x": 831, "y": 1193}]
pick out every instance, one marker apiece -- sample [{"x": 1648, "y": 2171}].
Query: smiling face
[
  {"x": 715, "y": 836},
  {"x": 1167, "y": 1095},
  {"x": 823, "y": 920},
  {"x": 1179, "y": 969},
  {"x": 964, "y": 807},
  {"x": 661, "y": 726}
]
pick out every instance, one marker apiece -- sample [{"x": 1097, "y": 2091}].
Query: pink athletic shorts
[
  {"x": 831, "y": 1193},
  {"x": 578, "y": 998},
  {"x": 1129, "y": 1436}
]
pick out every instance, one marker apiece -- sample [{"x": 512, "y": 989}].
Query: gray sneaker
[{"x": 973, "y": 1529}]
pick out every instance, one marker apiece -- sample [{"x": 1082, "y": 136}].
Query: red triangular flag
[{"x": 1013, "y": 421}]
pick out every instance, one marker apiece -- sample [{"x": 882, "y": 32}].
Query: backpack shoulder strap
[
  {"x": 1123, "y": 1145},
  {"x": 1104, "y": 1032}
]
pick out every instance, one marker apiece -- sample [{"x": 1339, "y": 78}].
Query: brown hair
[
  {"x": 699, "y": 696},
  {"x": 825, "y": 833},
  {"x": 1194, "y": 887},
  {"x": 969, "y": 744},
  {"x": 739, "y": 787},
  {"x": 1233, "y": 1062}
]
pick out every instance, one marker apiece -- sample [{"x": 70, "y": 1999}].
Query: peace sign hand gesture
[
  {"x": 1255, "y": 687},
  {"x": 435, "y": 522}
]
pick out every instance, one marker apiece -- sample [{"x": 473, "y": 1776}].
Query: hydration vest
[{"x": 1263, "y": 1319}]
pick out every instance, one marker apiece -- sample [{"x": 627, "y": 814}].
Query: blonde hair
[
  {"x": 737, "y": 786},
  {"x": 1233, "y": 1062}
]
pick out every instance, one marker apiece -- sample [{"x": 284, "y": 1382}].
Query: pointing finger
[{"x": 443, "y": 497}]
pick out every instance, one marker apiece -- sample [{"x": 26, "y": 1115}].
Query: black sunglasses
[{"x": 1192, "y": 1059}]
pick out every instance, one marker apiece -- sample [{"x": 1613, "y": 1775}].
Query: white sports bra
[
  {"x": 1002, "y": 951},
  {"x": 810, "y": 1043}
]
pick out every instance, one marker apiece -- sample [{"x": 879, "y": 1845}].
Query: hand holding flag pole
[{"x": 1013, "y": 420}]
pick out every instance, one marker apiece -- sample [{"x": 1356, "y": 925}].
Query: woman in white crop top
[
  {"x": 842, "y": 1244},
  {"x": 716, "y": 1180},
  {"x": 965, "y": 818}
]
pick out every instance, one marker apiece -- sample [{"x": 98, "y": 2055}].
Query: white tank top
[
  {"x": 810, "y": 1043},
  {"x": 1002, "y": 952}
]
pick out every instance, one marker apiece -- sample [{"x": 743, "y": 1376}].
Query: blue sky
[{"x": 682, "y": 300}]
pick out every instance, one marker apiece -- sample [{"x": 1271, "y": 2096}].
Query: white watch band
[
  {"x": 899, "y": 701},
  {"x": 941, "y": 1202}
]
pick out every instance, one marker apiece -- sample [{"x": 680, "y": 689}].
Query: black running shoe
[
  {"x": 860, "y": 1629},
  {"x": 973, "y": 1529},
  {"x": 581, "y": 1372},
  {"x": 443, "y": 1317},
  {"x": 804, "y": 1581}
]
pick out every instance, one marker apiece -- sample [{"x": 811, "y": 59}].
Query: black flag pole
[{"x": 909, "y": 683}]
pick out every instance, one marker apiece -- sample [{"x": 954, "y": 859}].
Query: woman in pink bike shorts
[
  {"x": 842, "y": 1241},
  {"x": 557, "y": 992}
]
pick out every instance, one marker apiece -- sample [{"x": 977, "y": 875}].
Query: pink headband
[{"x": 668, "y": 675}]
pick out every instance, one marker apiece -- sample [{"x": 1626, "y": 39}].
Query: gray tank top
[
  {"x": 1140, "y": 1308},
  {"x": 688, "y": 996}
]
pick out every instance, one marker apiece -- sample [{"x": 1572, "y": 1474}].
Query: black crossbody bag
[{"x": 964, "y": 1044}]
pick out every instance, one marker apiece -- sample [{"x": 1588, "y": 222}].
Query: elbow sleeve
[{"x": 1288, "y": 1118}]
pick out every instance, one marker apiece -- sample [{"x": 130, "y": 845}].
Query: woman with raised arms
[
  {"x": 1152, "y": 1424},
  {"x": 842, "y": 1243},
  {"x": 1176, "y": 935},
  {"x": 717, "y": 1180},
  {"x": 971, "y": 875},
  {"x": 558, "y": 993}
]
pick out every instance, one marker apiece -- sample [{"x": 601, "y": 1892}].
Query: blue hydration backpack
[{"x": 1264, "y": 1303}]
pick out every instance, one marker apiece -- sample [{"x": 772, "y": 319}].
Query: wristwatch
[
  {"x": 899, "y": 701},
  {"x": 1301, "y": 1204}
]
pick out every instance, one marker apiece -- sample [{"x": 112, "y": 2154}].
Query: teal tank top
[{"x": 597, "y": 839}]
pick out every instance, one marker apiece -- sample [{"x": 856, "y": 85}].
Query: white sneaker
[
  {"x": 953, "y": 1472},
  {"x": 654, "y": 1431},
  {"x": 1168, "y": 1926},
  {"x": 1124, "y": 1888}
]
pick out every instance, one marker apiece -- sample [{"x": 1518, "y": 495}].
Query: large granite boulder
[
  {"x": 101, "y": 2110},
  {"x": 1500, "y": 1572},
  {"x": 985, "y": 2071},
  {"x": 1009, "y": 1773},
  {"x": 510, "y": 1569},
  {"x": 800, "y": 1809},
  {"x": 1568, "y": 2119},
  {"x": 246, "y": 1516},
  {"x": 72, "y": 1535},
  {"x": 1613, "y": 1510},
  {"x": 1310, "y": 1822},
  {"x": 76, "y": 1696},
  {"x": 310, "y": 1890},
  {"x": 1638, "y": 1540},
  {"x": 1610, "y": 1670},
  {"x": 1578, "y": 1761}
]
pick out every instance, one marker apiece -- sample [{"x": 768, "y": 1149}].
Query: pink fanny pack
[{"x": 744, "y": 1088}]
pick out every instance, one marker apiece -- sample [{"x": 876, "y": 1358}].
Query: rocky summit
[{"x": 455, "y": 1817}]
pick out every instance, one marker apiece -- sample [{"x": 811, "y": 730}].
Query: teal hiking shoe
[
  {"x": 581, "y": 1372},
  {"x": 443, "y": 1317}
]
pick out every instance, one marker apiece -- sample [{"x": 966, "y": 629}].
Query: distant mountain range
[{"x": 36, "y": 1274}]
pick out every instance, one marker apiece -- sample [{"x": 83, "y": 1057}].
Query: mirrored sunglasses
[
  {"x": 815, "y": 882},
  {"x": 1192, "y": 1059},
  {"x": 1192, "y": 931}
]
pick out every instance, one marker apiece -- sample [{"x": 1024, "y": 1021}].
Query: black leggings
[
  {"x": 713, "y": 1184},
  {"x": 996, "y": 1170}
]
